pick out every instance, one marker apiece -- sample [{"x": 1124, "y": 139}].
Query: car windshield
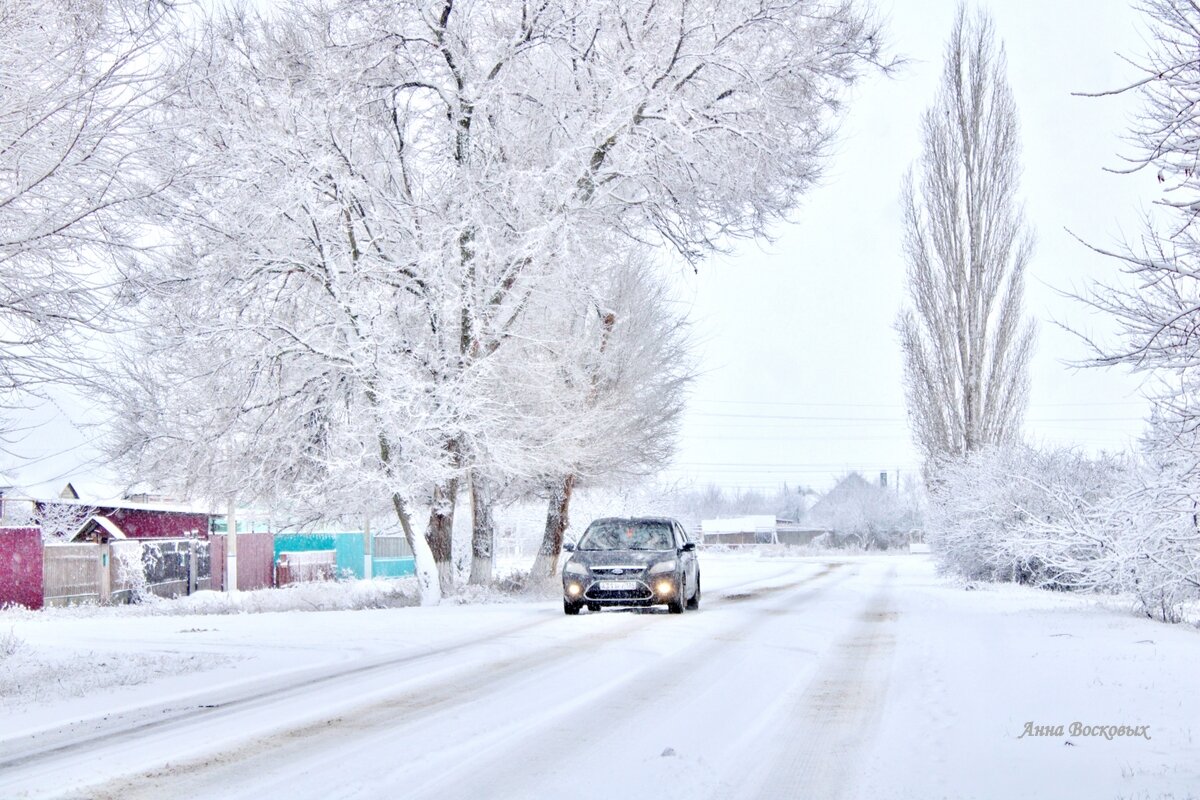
[{"x": 623, "y": 534}]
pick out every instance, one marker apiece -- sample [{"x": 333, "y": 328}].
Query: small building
[
  {"x": 794, "y": 533},
  {"x": 757, "y": 529},
  {"x": 739, "y": 531}
]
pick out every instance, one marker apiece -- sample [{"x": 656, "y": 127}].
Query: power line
[
  {"x": 803, "y": 418},
  {"x": 898, "y": 405}
]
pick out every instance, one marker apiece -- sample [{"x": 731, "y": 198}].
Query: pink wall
[
  {"x": 255, "y": 557},
  {"x": 21, "y": 566}
]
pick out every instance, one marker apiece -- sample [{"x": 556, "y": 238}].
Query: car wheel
[
  {"x": 676, "y": 606},
  {"x": 571, "y": 608},
  {"x": 694, "y": 602}
]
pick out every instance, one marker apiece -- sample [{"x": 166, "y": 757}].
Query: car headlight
[
  {"x": 573, "y": 568},
  {"x": 663, "y": 566}
]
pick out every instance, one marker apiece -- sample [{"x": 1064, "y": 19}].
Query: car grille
[{"x": 619, "y": 572}]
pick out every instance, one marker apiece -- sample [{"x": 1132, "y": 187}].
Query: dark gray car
[{"x": 641, "y": 561}]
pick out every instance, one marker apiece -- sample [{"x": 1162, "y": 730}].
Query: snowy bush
[
  {"x": 1058, "y": 519},
  {"x": 131, "y": 570},
  {"x": 10, "y": 644},
  {"x": 1161, "y": 545},
  {"x": 315, "y": 596},
  {"x": 996, "y": 514}
]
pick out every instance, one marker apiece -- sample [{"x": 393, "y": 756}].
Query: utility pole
[{"x": 231, "y": 575}]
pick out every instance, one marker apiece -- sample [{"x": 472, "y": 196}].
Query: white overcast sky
[{"x": 800, "y": 364}]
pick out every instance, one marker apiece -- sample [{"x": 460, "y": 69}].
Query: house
[
  {"x": 739, "y": 531},
  {"x": 72, "y": 518},
  {"x": 865, "y": 514},
  {"x": 791, "y": 532},
  {"x": 757, "y": 529}
]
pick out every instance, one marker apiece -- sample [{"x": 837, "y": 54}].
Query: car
[{"x": 639, "y": 561}]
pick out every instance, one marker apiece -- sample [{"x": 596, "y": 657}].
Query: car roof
[{"x": 635, "y": 519}]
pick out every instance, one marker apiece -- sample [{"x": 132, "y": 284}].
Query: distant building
[
  {"x": 858, "y": 512},
  {"x": 756, "y": 529}
]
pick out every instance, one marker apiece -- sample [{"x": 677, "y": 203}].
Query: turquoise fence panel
[
  {"x": 349, "y": 548},
  {"x": 347, "y": 544},
  {"x": 393, "y": 567},
  {"x": 302, "y": 542}
]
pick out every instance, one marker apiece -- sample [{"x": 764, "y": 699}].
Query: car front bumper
[{"x": 651, "y": 590}]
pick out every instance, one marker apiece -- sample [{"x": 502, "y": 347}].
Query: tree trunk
[
  {"x": 423, "y": 561},
  {"x": 440, "y": 533},
  {"x": 483, "y": 532},
  {"x": 546, "y": 564}
]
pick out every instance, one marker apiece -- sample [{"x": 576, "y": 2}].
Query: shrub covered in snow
[
  {"x": 10, "y": 644},
  {"x": 994, "y": 515},
  {"x": 1059, "y": 519}
]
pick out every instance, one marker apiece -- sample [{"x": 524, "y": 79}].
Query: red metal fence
[
  {"x": 21, "y": 566},
  {"x": 255, "y": 559}
]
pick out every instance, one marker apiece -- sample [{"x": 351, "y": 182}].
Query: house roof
[
  {"x": 70, "y": 495},
  {"x": 849, "y": 487},
  {"x": 162, "y": 508},
  {"x": 110, "y": 529},
  {"x": 746, "y": 524}
]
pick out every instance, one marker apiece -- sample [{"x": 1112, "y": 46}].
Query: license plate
[{"x": 617, "y": 586}]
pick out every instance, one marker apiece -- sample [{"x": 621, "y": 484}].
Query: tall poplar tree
[{"x": 966, "y": 342}]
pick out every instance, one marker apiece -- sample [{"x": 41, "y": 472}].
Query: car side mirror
[
  {"x": 688, "y": 547},
  {"x": 568, "y": 547}
]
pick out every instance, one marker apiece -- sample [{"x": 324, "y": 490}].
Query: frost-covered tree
[
  {"x": 1157, "y": 307},
  {"x": 590, "y": 385},
  {"x": 379, "y": 193},
  {"x": 288, "y": 336},
  {"x": 621, "y": 372},
  {"x": 79, "y": 81},
  {"x": 966, "y": 345},
  {"x": 59, "y": 521}
]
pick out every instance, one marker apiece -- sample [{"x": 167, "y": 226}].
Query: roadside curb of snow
[{"x": 318, "y": 596}]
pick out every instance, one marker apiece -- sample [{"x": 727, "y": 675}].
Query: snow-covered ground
[{"x": 862, "y": 677}]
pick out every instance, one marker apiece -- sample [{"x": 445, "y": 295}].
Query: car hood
[{"x": 621, "y": 558}]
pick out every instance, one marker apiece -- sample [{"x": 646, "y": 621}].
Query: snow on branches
[
  {"x": 965, "y": 339},
  {"x": 1058, "y": 519},
  {"x": 79, "y": 84},
  {"x": 1156, "y": 307},
  {"x": 408, "y": 241}
]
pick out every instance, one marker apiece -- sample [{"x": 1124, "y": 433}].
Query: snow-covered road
[{"x": 805, "y": 678}]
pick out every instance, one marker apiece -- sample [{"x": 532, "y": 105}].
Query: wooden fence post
[{"x": 104, "y": 568}]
